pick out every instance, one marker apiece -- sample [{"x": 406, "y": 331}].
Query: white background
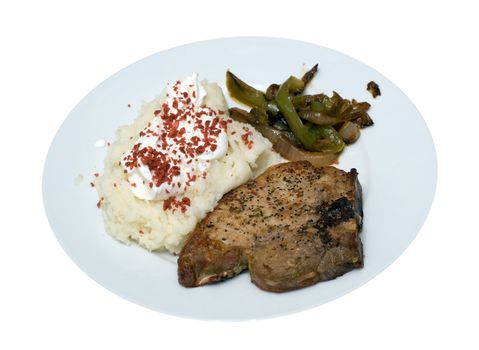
[{"x": 53, "y": 53}]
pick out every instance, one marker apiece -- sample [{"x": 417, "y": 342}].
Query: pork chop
[{"x": 293, "y": 226}]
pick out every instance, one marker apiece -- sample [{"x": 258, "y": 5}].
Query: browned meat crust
[{"x": 293, "y": 226}]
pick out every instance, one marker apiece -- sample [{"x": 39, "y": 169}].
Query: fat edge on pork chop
[{"x": 291, "y": 227}]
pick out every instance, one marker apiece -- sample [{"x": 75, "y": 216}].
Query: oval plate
[{"x": 395, "y": 159}]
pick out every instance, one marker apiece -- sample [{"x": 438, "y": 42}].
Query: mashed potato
[{"x": 128, "y": 218}]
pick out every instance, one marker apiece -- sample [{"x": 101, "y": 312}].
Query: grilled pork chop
[{"x": 293, "y": 226}]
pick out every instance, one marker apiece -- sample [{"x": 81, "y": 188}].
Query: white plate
[{"x": 395, "y": 159}]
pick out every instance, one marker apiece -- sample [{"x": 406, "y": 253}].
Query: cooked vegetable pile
[{"x": 300, "y": 127}]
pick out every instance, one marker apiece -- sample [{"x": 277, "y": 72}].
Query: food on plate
[
  {"x": 284, "y": 141},
  {"x": 291, "y": 227},
  {"x": 373, "y": 88},
  {"x": 171, "y": 166},
  {"x": 300, "y": 127},
  {"x": 214, "y": 184}
]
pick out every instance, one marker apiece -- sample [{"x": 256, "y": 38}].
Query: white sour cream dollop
[{"x": 178, "y": 145}]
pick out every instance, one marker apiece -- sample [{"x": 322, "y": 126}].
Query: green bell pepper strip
[
  {"x": 248, "y": 95},
  {"x": 328, "y": 140},
  {"x": 302, "y": 101},
  {"x": 319, "y": 118},
  {"x": 317, "y": 106},
  {"x": 308, "y": 101},
  {"x": 313, "y": 137},
  {"x": 286, "y": 107}
]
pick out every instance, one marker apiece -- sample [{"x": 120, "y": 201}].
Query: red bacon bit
[
  {"x": 167, "y": 203},
  {"x": 246, "y": 140},
  {"x": 245, "y": 137},
  {"x": 133, "y": 184},
  {"x": 98, "y": 204},
  {"x": 173, "y": 204},
  {"x": 96, "y": 174}
]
